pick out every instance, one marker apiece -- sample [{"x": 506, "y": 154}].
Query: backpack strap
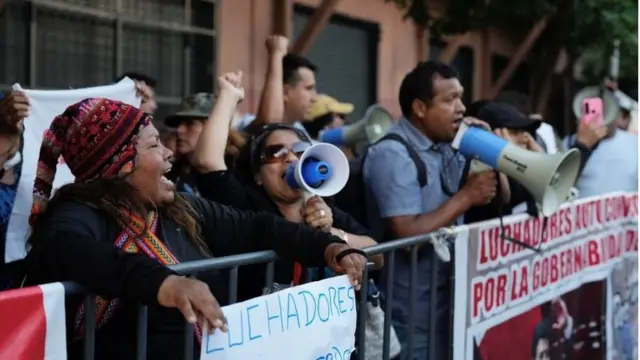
[
  {"x": 413, "y": 154},
  {"x": 572, "y": 140}
]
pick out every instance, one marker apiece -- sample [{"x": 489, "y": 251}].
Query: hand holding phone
[{"x": 593, "y": 111}]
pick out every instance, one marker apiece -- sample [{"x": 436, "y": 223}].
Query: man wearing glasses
[{"x": 431, "y": 102}]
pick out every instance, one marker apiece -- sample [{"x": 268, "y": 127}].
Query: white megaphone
[
  {"x": 322, "y": 170},
  {"x": 371, "y": 128},
  {"x": 549, "y": 178},
  {"x": 610, "y": 104}
]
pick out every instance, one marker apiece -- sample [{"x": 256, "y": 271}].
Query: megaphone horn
[
  {"x": 371, "y": 128},
  {"x": 609, "y": 102},
  {"x": 549, "y": 178},
  {"x": 322, "y": 170}
]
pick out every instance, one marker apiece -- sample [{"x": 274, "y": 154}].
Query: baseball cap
[
  {"x": 194, "y": 106},
  {"x": 325, "y": 104},
  {"x": 502, "y": 115}
]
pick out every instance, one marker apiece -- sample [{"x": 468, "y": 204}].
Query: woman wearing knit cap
[{"x": 118, "y": 227}]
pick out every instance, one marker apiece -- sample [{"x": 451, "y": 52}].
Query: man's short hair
[
  {"x": 418, "y": 83},
  {"x": 291, "y": 63},
  {"x": 139, "y": 77}
]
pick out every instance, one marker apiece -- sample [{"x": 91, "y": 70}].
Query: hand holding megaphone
[
  {"x": 480, "y": 187},
  {"x": 317, "y": 214},
  {"x": 549, "y": 178}
]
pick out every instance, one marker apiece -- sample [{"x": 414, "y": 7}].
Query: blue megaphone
[
  {"x": 549, "y": 178},
  {"x": 372, "y": 127},
  {"x": 314, "y": 173},
  {"x": 322, "y": 170}
]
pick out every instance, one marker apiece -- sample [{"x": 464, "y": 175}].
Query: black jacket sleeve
[
  {"x": 585, "y": 153},
  {"x": 223, "y": 187},
  {"x": 345, "y": 222},
  {"x": 73, "y": 248},
  {"x": 229, "y": 231}
]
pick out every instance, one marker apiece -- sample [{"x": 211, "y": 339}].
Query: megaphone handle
[
  {"x": 306, "y": 196},
  {"x": 478, "y": 167}
]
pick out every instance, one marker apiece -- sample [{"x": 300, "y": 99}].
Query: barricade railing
[{"x": 234, "y": 262}]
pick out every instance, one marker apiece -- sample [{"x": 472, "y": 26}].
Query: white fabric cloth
[
  {"x": 45, "y": 106},
  {"x": 548, "y": 135}
]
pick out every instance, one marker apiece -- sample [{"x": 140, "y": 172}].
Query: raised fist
[
  {"x": 14, "y": 107},
  {"x": 277, "y": 44},
  {"x": 231, "y": 83}
]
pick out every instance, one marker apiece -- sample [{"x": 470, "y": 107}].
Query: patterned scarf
[{"x": 137, "y": 236}]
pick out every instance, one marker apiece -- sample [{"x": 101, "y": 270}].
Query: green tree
[
  {"x": 597, "y": 23},
  {"x": 586, "y": 29}
]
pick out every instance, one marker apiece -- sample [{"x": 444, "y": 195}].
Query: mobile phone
[{"x": 592, "y": 111}]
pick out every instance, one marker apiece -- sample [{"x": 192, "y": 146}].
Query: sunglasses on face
[{"x": 280, "y": 152}]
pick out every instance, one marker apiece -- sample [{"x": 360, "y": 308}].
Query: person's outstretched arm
[
  {"x": 228, "y": 231},
  {"x": 72, "y": 248}
]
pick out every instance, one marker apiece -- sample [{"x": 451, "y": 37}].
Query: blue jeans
[
  {"x": 420, "y": 341},
  {"x": 400, "y": 321}
]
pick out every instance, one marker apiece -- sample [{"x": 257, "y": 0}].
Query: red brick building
[{"x": 363, "y": 50}]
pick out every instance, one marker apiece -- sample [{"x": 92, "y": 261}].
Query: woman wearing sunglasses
[{"x": 268, "y": 155}]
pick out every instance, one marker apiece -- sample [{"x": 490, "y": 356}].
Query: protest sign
[
  {"x": 45, "y": 105},
  {"x": 512, "y": 302},
  {"x": 315, "y": 321}
]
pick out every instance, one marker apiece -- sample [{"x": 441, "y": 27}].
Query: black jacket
[{"x": 79, "y": 247}]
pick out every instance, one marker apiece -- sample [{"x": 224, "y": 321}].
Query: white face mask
[{"x": 15, "y": 160}]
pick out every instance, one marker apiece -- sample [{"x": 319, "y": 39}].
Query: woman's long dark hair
[{"x": 113, "y": 195}]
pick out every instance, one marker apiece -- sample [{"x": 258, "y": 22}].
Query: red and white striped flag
[{"x": 32, "y": 323}]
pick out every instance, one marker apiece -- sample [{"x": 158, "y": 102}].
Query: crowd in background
[{"x": 208, "y": 182}]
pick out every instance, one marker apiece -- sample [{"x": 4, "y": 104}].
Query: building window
[
  {"x": 463, "y": 62},
  {"x": 346, "y": 52},
  {"x": 62, "y": 44},
  {"x": 519, "y": 81}
]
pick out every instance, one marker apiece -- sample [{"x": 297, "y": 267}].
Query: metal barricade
[{"x": 234, "y": 262}]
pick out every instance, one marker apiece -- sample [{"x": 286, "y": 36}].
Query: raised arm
[
  {"x": 271, "y": 107},
  {"x": 210, "y": 150}
]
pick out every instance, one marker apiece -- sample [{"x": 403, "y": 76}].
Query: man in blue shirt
[{"x": 431, "y": 102}]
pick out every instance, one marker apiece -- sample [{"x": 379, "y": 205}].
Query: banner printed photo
[
  {"x": 501, "y": 287},
  {"x": 623, "y": 310}
]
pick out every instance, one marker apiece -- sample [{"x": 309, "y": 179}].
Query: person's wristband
[
  {"x": 341, "y": 234},
  {"x": 580, "y": 146}
]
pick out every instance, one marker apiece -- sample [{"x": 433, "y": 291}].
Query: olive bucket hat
[{"x": 195, "y": 106}]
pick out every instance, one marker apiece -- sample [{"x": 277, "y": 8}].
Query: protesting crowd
[{"x": 207, "y": 182}]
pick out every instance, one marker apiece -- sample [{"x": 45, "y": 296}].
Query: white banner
[
  {"x": 315, "y": 321},
  {"x": 512, "y": 302},
  {"x": 45, "y": 106}
]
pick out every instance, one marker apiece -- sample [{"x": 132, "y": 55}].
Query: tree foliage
[
  {"x": 597, "y": 23},
  {"x": 585, "y": 28}
]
